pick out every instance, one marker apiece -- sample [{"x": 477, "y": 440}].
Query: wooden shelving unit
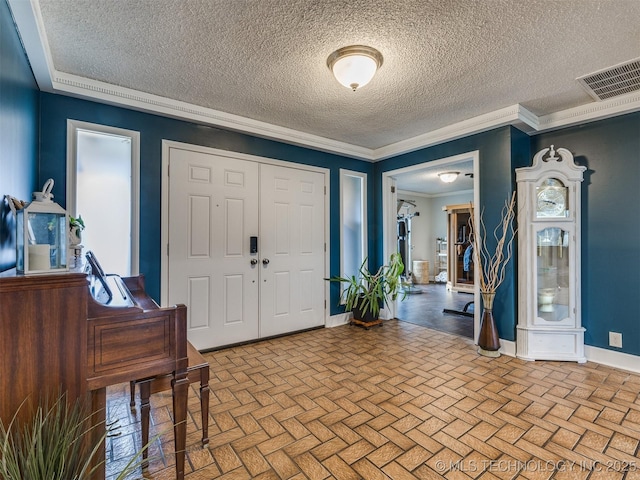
[{"x": 460, "y": 273}]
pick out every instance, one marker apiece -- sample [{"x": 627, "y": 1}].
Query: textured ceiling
[{"x": 445, "y": 61}]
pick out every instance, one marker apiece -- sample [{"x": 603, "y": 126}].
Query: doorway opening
[{"x": 417, "y": 224}]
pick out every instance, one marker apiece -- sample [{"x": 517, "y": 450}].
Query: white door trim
[
  {"x": 164, "y": 205},
  {"x": 389, "y": 229},
  {"x": 389, "y": 221}
]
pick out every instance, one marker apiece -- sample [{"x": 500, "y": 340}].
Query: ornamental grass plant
[{"x": 58, "y": 443}]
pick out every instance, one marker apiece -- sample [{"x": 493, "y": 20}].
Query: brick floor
[{"x": 398, "y": 402}]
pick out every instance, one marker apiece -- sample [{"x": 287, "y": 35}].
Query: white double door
[{"x": 216, "y": 204}]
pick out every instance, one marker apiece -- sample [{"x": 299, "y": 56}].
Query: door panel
[
  {"x": 198, "y": 300},
  {"x": 215, "y": 204},
  {"x": 199, "y": 227},
  {"x": 213, "y": 210},
  {"x": 292, "y": 228}
]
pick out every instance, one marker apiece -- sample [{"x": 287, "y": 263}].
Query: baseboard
[
  {"x": 345, "y": 318},
  {"x": 508, "y": 347},
  {"x": 337, "y": 320},
  {"x": 610, "y": 358}
]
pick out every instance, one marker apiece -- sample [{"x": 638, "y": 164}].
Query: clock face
[{"x": 552, "y": 201}]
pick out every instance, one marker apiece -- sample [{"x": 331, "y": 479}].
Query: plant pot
[
  {"x": 489, "y": 340},
  {"x": 365, "y": 317},
  {"x": 75, "y": 236}
]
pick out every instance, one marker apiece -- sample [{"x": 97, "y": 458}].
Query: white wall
[
  {"x": 431, "y": 223},
  {"x": 420, "y": 225}
]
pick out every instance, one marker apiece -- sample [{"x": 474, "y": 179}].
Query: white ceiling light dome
[
  {"x": 448, "y": 177},
  {"x": 354, "y": 66}
]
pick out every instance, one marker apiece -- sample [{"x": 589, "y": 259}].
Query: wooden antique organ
[{"x": 57, "y": 331}]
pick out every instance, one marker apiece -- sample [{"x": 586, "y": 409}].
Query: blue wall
[
  {"x": 18, "y": 131},
  {"x": 610, "y": 207},
  {"x": 56, "y": 109},
  {"x": 610, "y": 149},
  {"x": 497, "y": 150}
]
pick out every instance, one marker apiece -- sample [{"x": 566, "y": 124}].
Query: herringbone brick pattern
[{"x": 397, "y": 402}]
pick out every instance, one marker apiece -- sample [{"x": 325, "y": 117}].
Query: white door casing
[
  {"x": 389, "y": 212},
  {"x": 390, "y": 245},
  {"x": 212, "y": 203}
]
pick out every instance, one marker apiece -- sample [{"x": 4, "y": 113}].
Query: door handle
[
  {"x": 254, "y": 261},
  {"x": 265, "y": 261}
]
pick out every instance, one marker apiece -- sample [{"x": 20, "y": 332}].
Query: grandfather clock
[{"x": 549, "y": 321}]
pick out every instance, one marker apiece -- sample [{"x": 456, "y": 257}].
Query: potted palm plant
[{"x": 366, "y": 293}]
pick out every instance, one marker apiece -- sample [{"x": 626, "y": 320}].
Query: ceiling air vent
[{"x": 614, "y": 81}]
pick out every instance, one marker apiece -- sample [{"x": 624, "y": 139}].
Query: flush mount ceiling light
[
  {"x": 448, "y": 177},
  {"x": 354, "y": 66}
]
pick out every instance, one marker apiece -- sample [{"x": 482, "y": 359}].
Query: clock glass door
[{"x": 553, "y": 274}]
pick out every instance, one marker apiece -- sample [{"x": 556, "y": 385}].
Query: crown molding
[
  {"x": 411, "y": 193},
  {"x": 590, "y": 112},
  {"x": 515, "y": 115},
  {"x": 434, "y": 195},
  {"x": 115, "y": 95},
  {"x": 30, "y": 26},
  {"x": 28, "y": 20}
]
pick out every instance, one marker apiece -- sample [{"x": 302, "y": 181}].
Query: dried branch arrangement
[{"x": 493, "y": 265}]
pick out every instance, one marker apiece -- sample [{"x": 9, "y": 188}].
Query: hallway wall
[
  {"x": 420, "y": 226},
  {"x": 431, "y": 223}
]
